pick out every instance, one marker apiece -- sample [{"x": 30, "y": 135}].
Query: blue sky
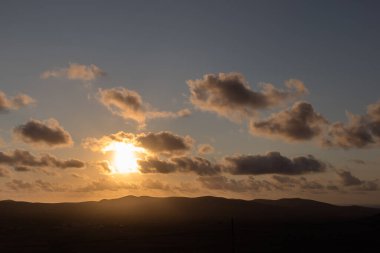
[{"x": 154, "y": 47}]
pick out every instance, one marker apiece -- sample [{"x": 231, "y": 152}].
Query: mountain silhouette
[{"x": 179, "y": 224}]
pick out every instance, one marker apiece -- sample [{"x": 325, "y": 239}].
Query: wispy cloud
[
  {"x": 74, "y": 71},
  {"x": 14, "y": 103},
  {"x": 129, "y": 105}
]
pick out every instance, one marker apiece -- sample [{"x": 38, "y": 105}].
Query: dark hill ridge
[
  {"x": 178, "y": 224},
  {"x": 132, "y": 208}
]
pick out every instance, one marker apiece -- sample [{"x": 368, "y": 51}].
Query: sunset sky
[{"x": 239, "y": 99}]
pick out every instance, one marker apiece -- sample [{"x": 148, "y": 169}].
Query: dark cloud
[
  {"x": 165, "y": 143},
  {"x": 48, "y": 133},
  {"x": 19, "y": 158},
  {"x": 272, "y": 163},
  {"x": 129, "y": 105},
  {"x": 22, "y": 169},
  {"x": 234, "y": 185},
  {"x": 196, "y": 165},
  {"x": 155, "y": 165},
  {"x": 298, "y": 123},
  {"x": 14, "y": 103},
  {"x": 230, "y": 96},
  {"x": 360, "y": 131},
  {"x": 75, "y": 72},
  {"x": 204, "y": 149},
  {"x": 350, "y": 180}
]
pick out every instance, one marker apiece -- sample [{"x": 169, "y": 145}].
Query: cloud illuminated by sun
[{"x": 126, "y": 155}]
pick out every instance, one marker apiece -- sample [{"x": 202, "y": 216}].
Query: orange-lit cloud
[
  {"x": 14, "y": 103},
  {"x": 75, "y": 72},
  {"x": 129, "y": 105},
  {"x": 361, "y": 130},
  {"x": 163, "y": 143},
  {"x": 204, "y": 149}
]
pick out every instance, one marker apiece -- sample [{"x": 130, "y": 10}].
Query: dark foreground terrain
[{"x": 205, "y": 224}]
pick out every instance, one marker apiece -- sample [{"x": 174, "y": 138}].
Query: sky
[{"x": 237, "y": 99}]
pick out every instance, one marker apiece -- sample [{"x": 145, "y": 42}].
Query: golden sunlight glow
[{"x": 125, "y": 157}]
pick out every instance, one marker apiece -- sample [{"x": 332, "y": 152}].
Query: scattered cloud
[
  {"x": 272, "y": 163},
  {"x": 74, "y": 71},
  {"x": 230, "y": 96},
  {"x": 14, "y": 103},
  {"x": 350, "y": 180},
  {"x": 19, "y": 185},
  {"x": 37, "y": 185},
  {"x": 184, "y": 164},
  {"x": 19, "y": 158},
  {"x": 359, "y": 132},
  {"x": 234, "y": 185},
  {"x": 155, "y": 185},
  {"x": 298, "y": 123},
  {"x": 129, "y": 105},
  {"x": 45, "y": 133},
  {"x": 163, "y": 143},
  {"x": 301, "y": 183},
  {"x": 204, "y": 149},
  {"x": 22, "y": 168}
]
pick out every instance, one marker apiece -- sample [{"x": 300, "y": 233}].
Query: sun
[{"x": 125, "y": 157}]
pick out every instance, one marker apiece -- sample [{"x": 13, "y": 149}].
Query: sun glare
[{"x": 125, "y": 157}]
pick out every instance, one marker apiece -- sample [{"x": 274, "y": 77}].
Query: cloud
[
  {"x": 46, "y": 133},
  {"x": 155, "y": 185},
  {"x": 164, "y": 143},
  {"x": 230, "y": 96},
  {"x": 75, "y": 72},
  {"x": 228, "y": 184},
  {"x": 22, "y": 169},
  {"x": 302, "y": 183},
  {"x": 350, "y": 180},
  {"x": 24, "y": 158},
  {"x": 129, "y": 105},
  {"x": 17, "y": 185},
  {"x": 14, "y": 103},
  {"x": 298, "y": 123},
  {"x": 358, "y": 161},
  {"x": 361, "y": 130},
  {"x": 4, "y": 172},
  {"x": 272, "y": 163},
  {"x": 37, "y": 185},
  {"x": 183, "y": 164},
  {"x": 106, "y": 184},
  {"x": 204, "y": 149}
]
